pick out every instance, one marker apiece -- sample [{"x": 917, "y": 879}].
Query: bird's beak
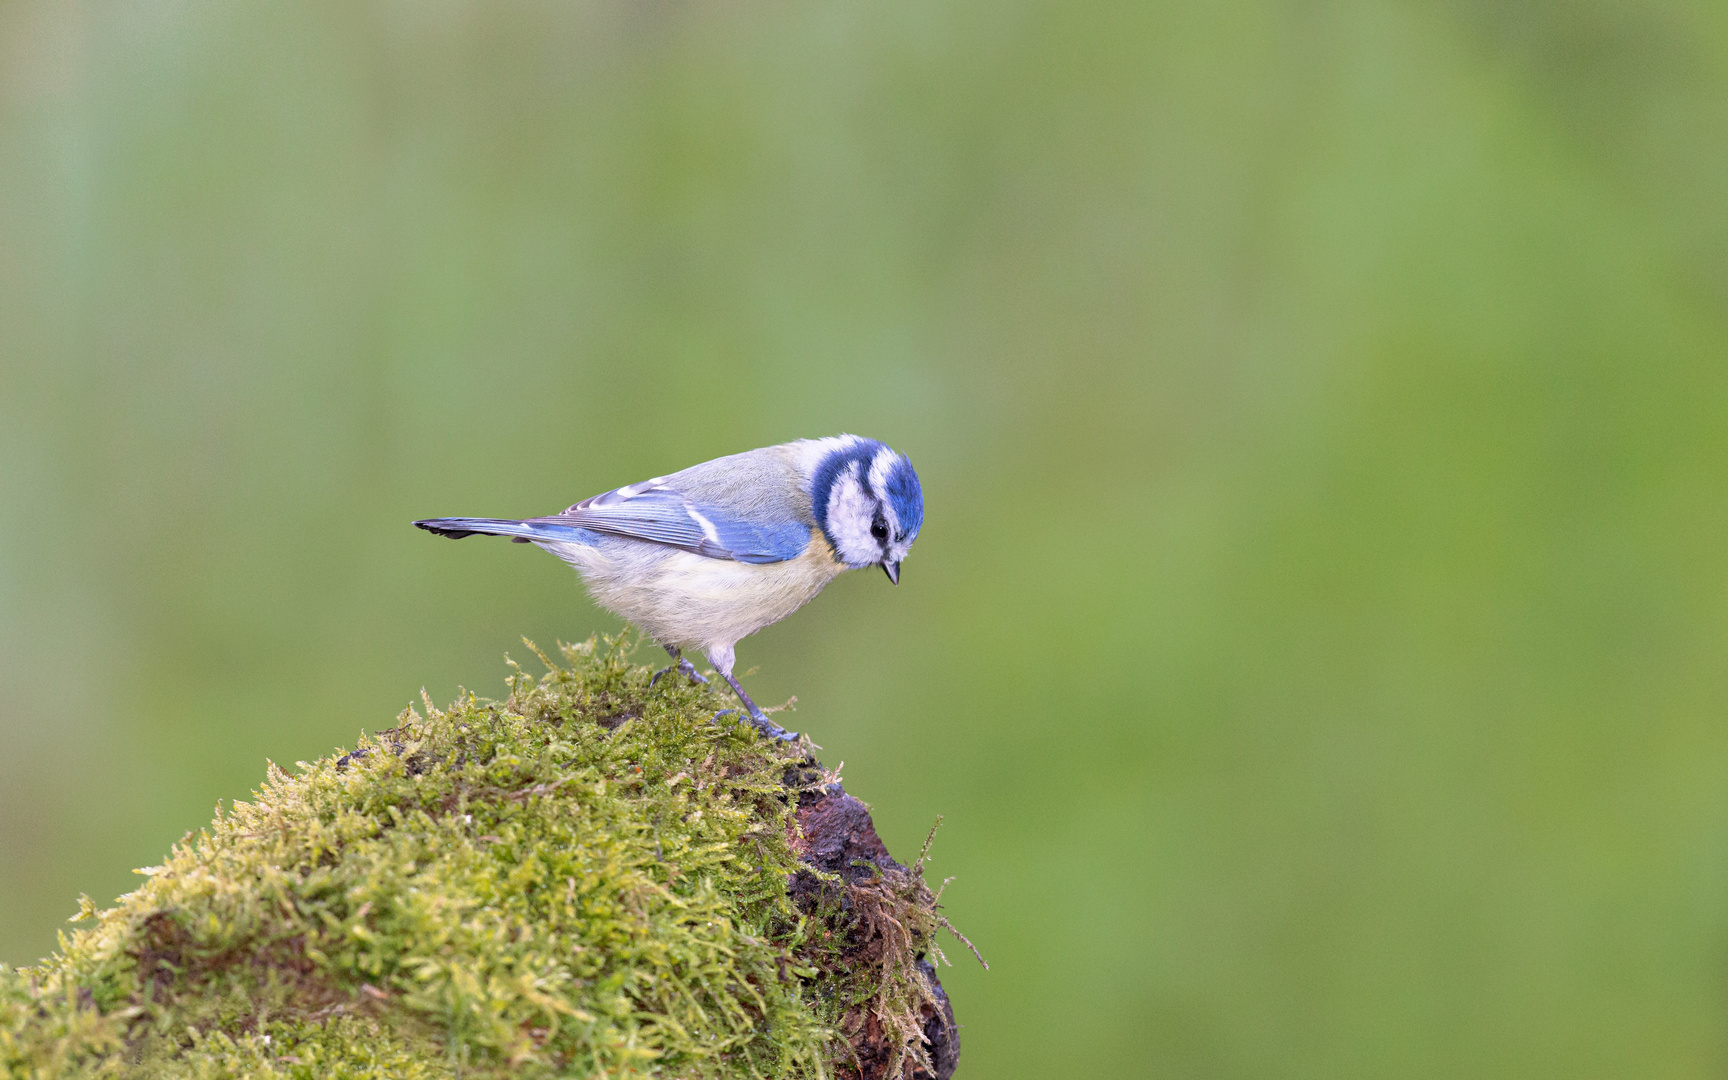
[{"x": 892, "y": 569}]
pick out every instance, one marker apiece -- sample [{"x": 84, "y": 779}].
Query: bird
[{"x": 704, "y": 557}]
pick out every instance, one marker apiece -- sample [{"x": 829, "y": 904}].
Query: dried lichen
[{"x": 589, "y": 878}]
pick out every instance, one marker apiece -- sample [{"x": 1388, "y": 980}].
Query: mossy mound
[{"x": 589, "y": 878}]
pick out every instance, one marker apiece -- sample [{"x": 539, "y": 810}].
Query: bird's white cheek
[{"x": 849, "y": 514}]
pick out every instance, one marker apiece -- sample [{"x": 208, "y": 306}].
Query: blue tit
[{"x": 708, "y": 556}]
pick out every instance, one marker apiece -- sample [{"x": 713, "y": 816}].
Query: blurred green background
[{"x": 1318, "y": 642}]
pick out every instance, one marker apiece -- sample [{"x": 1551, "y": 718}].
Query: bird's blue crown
[{"x": 906, "y": 496}]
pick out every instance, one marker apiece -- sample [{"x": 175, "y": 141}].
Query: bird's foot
[
  {"x": 684, "y": 666},
  {"x": 771, "y": 730},
  {"x": 768, "y": 728}
]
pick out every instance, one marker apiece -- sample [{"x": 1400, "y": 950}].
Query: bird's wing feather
[{"x": 657, "y": 512}]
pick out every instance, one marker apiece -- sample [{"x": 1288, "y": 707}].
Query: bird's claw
[
  {"x": 771, "y": 730},
  {"x": 682, "y": 665},
  {"x": 766, "y": 727}
]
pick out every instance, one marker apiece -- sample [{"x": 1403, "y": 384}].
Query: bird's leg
[
  {"x": 767, "y": 727},
  {"x": 682, "y": 664},
  {"x": 722, "y": 657}
]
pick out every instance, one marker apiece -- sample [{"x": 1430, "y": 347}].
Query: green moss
[{"x": 587, "y": 878}]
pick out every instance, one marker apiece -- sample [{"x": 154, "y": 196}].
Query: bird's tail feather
[{"x": 523, "y": 532}]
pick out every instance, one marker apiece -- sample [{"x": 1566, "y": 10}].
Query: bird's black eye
[{"x": 879, "y": 527}]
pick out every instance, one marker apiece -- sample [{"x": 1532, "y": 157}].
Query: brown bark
[{"x": 839, "y": 838}]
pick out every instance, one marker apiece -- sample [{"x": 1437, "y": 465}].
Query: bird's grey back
[{"x": 757, "y": 485}]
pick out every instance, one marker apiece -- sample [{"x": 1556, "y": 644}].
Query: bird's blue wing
[{"x": 660, "y": 514}]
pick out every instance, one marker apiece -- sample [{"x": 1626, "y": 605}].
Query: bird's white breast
[{"x": 688, "y": 600}]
